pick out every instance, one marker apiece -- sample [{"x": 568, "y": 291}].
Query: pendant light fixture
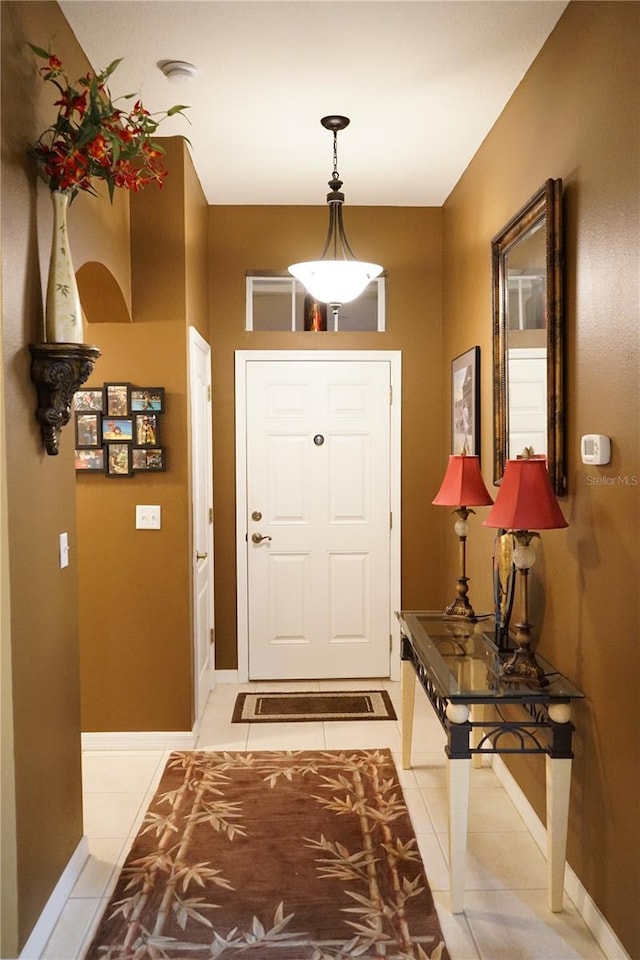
[{"x": 337, "y": 277}]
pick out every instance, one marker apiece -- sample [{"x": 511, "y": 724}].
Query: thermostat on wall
[{"x": 595, "y": 449}]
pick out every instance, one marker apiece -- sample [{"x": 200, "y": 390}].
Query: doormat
[
  {"x": 278, "y": 855},
  {"x": 335, "y": 705}
]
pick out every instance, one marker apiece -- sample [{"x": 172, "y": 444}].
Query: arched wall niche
[{"x": 101, "y": 295}]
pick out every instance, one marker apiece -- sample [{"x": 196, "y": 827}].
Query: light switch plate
[
  {"x": 148, "y": 517},
  {"x": 64, "y": 550}
]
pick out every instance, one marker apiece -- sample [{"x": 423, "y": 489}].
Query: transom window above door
[{"x": 279, "y": 302}]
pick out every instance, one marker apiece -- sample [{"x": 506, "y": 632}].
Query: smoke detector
[{"x": 178, "y": 71}]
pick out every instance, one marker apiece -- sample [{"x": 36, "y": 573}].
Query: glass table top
[{"x": 463, "y": 662}]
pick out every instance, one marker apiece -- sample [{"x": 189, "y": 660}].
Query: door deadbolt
[
  {"x": 201, "y": 556},
  {"x": 258, "y": 537},
  {"x": 256, "y": 515}
]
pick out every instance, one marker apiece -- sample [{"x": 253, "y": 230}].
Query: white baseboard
[
  {"x": 595, "y": 921},
  {"x": 141, "y": 740},
  {"x": 226, "y": 676},
  {"x": 55, "y": 904}
]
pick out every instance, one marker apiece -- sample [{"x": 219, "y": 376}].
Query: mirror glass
[{"x": 527, "y": 335}]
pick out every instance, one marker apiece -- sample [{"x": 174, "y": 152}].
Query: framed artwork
[
  {"x": 91, "y": 460},
  {"x": 465, "y": 403},
  {"x": 117, "y": 460},
  {"x": 88, "y": 400},
  {"x": 149, "y": 458},
  {"x": 146, "y": 430},
  {"x": 117, "y": 428},
  {"x": 88, "y": 430},
  {"x": 116, "y": 399},
  {"x": 147, "y": 398}
]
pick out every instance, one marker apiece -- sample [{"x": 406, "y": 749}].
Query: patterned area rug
[
  {"x": 302, "y": 855},
  {"x": 339, "y": 705}
]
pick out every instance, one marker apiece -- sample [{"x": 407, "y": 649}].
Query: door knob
[
  {"x": 201, "y": 556},
  {"x": 258, "y": 537}
]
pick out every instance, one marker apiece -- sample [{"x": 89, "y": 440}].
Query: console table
[{"x": 457, "y": 663}]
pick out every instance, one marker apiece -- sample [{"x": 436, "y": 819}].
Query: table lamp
[
  {"x": 525, "y": 503},
  {"x": 462, "y": 488}
]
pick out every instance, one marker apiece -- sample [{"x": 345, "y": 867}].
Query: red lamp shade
[
  {"x": 526, "y": 500},
  {"x": 463, "y": 484}
]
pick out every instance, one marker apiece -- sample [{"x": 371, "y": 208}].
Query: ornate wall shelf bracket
[{"x": 57, "y": 370}]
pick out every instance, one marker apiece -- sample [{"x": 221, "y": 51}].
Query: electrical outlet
[{"x": 148, "y": 517}]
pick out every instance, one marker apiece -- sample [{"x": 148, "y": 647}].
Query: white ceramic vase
[{"x": 63, "y": 315}]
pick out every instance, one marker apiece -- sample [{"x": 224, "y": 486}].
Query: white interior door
[
  {"x": 318, "y": 518},
  {"x": 527, "y": 386},
  {"x": 202, "y": 520}
]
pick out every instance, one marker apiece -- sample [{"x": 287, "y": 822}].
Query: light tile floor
[{"x": 505, "y": 918}]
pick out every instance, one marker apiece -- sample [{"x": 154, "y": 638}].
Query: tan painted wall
[
  {"x": 41, "y": 787},
  {"x": 408, "y": 242},
  {"x": 575, "y": 116},
  {"x": 135, "y": 585},
  {"x": 572, "y": 117}
]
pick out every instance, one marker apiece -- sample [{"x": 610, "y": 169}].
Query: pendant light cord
[{"x": 335, "y": 175}]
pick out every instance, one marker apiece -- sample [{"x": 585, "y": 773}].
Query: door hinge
[
  {"x": 390, "y": 642},
  {"x": 210, "y": 514},
  {"x": 211, "y": 635},
  {"x": 209, "y": 392},
  {"x": 390, "y": 395},
  {"x": 390, "y": 520}
]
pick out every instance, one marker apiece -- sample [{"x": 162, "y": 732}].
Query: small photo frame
[
  {"x": 119, "y": 429},
  {"x": 117, "y": 460},
  {"x": 88, "y": 400},
  {"x": 151, "y": 459},
  {"x": 145, "y": 399},
  {"x": 88, "y": 432},
  {"x": 90, "y": 460},
  {"x": 116, "y": 399},
  {"x": 146, "y": 430},
  {"x": 465, "y": 403}
]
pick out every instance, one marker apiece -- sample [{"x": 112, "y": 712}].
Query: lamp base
[
  {"x": 461, "y": 606},
  {"x": 522, "y": 666}
]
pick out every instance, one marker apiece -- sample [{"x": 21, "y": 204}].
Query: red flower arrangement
[{"x": 92, "y": 139}]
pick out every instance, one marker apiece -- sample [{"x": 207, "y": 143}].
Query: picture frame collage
[{"x": 117, "y": 429}]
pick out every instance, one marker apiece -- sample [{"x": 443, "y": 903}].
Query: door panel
[
  {"x": 349, "y": 580},
  {"x": 349, "y": 469},
  {"x": 318, "y": 484}
]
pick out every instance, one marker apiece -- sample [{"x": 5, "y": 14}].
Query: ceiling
[{"x": 422, "y": 82}]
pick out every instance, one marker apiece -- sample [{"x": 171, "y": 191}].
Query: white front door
[
  {"x": 202, "y": 520},
  {"x": 527, "y": 387},
  {"x": 318, "y": 518}
]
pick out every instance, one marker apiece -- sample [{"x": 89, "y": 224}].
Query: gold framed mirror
[{"x": 528, "y": 336}]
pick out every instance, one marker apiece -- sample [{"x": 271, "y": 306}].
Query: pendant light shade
[
  {"x": 335, "y": 281},
  {"x": 337, "y": 277}
]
